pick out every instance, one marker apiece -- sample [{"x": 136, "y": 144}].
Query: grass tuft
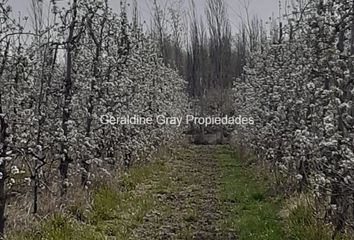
[
  {"x": 104, "y": 204},
  {"x": 59, "y": 227},
  {"x": 302, "y": 223}
]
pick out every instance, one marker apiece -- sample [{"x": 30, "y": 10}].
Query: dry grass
[{"x": 76, "y": 202}]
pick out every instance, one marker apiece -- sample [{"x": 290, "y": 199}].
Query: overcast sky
[{"x": 262, "y": 8}]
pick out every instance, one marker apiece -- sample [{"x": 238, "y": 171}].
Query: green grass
[
  {"x": 119, "y": 208},
  {"x": 245, "y": 192},
  {"x": 255, "y": 214},
  {"x": 118, "y": 211},
  {"x": 169, "y": 193},
  {"x": 303, "y": 225},
  {"x": 115, "y": 211},
  {"x": 59, "y": 227}
]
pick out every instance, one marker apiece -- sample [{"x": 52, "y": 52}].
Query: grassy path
[
  {"x": 203, "y": 192},
  {"x": 206, "y": 193},
  {"x": 188, "y": 206}
]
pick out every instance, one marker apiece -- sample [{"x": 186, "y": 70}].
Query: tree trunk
[
  {"x": 68, "y": 83},
  {"x": 3, "y": 149}
]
